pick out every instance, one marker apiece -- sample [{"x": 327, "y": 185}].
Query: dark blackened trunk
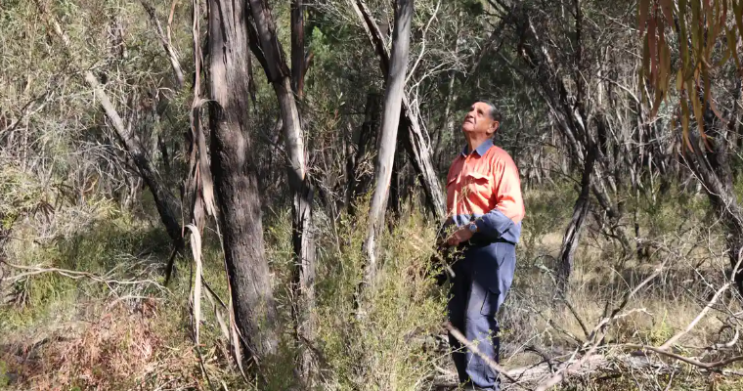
[
  {"x": 396, "y": 184},
  {"x": 236, "y": 178},
  {"x": 710, "y": 161},
  {"x": 298, "y": 56},
  {"x": 573, "y": 231},
  {"x": 712, "y": 168},
  {"x": 417, "y": 145},
  {"x": 359, "y": 178}
]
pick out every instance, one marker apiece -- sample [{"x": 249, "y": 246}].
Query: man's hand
[{"x": 460, "y": 236}]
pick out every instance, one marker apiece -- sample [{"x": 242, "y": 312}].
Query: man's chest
[{"x": 470, "y": 178}]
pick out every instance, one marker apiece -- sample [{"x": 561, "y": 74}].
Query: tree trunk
[
  {"x": 358, "y": 181},
  {"x": 236, "y": 178},
  {"x": 302, "y": 190},
  {"x": 390, "y": 121},
  {"x": 418, "y": 147},
  {"x": 416, "y": 143},
  {"x": 298, "y": 57},
  {"x": 572, "y": 233},
  {"x": 710, "y": 161}
]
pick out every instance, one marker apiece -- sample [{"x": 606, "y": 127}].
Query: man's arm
[{"x": 509, "y": 209}]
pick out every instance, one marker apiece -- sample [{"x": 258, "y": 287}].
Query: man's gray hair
[{"x": 494, "y": 113}]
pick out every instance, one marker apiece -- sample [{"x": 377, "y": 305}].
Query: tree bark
[
  {"x": 236, "y": 178},
  {"x": 286, "y": 85},
  {"x": 415, "y": 141},
  {"x": 298, "y": 57},
  {"x": 390, "y": 121}
]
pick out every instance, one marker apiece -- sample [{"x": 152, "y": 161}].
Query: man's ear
[{"x": 493, "y": 127}]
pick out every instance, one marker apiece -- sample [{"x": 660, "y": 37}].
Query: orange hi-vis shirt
[{"x": 484, "y": 187}]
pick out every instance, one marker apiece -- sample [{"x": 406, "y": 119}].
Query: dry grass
[
  {"x": 118, "y": 349},
  {"x": 69, "y": 334}
]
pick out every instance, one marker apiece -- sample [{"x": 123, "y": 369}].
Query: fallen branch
[
  {"x": 708, "y": 366},
  {"x": 75, "y": 275}
]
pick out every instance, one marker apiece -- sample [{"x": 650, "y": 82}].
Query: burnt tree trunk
[
  {"x": 572, "y": 233},
  {"x": 709, "y": 159},
  {"x": 359, "y": 179},
  {"x": 236, "y": 178}
]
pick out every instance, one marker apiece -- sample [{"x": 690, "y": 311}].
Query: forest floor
[{"x": 102, "y": 319}]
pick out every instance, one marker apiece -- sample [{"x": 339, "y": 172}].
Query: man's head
[{"x": 482, "y": 120}]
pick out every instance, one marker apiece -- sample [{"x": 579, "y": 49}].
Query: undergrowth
[{"x": 129, "y": 332}]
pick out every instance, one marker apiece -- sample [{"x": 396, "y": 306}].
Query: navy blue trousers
[{"x": 482, "y": 278}]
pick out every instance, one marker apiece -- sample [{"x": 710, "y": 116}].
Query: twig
[
  {"x": 578, "y": 318},
  {"x": 462, "y": 339},
  {"x": 707, "y": 366},
  {"x": 75, "y": 275},
  {"x": 706, "y": 309},
  {"x": 598, "y": 333}
]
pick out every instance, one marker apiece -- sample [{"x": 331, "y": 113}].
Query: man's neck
[{"x": 475, "y": 140}]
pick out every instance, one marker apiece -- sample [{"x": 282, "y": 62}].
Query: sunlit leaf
[
  {"x": 696, "y": 33},
  {"x": 667, "y": 7},
  {"x": 643, "y": 15},
  {"x": 645, "y": 60},
  {"x": 653, "y": 50},
  {"x": 683, "y": 37},
  {"x": 696, "y": 106}
]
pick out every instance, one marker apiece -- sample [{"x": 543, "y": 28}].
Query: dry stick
[
  {"x": 575, "y": 315},
  {"x": 75, "y": 275},
  {"x": 707, "y": 366},
  {"x": 706, "y": 309},
  {"x": 598, "y": 333},
  {"x": 172, "y": 56},
  {"x": 196, "y": 250},
  {"x": 462, "y": 339}
]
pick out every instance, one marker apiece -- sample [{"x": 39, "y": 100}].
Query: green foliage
[{"x": 388, "y": 347}]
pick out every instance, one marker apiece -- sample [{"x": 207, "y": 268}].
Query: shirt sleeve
[{"x": 503, "y": 221}]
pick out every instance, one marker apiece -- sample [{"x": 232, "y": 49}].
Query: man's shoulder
[{"x": 499, "y": 154}]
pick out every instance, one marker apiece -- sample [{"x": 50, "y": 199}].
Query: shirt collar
[{"x": 480, "y": 150}]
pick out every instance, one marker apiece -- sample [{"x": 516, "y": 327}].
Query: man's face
[{"x": 478, "y": 120}]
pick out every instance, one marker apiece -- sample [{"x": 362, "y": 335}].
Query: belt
[{"x": 482, "y": 243}]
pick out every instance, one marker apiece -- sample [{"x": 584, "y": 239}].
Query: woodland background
[{"x": 193, "y": 195}]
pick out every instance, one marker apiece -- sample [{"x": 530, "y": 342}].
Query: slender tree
[
  {"x": 390, "y": 120},
  {"x": 288, "y": 86}
]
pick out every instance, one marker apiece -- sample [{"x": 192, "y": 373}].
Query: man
[{"x": 485, "y": 205}]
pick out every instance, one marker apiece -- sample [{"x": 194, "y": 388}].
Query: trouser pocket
[{"x": 490, "y": 303}]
